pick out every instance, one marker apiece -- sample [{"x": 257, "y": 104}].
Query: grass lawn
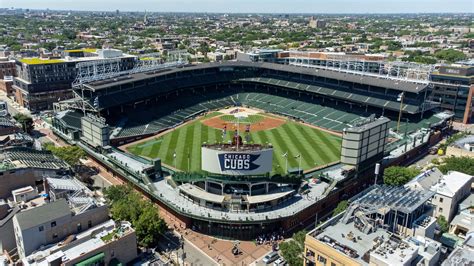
[{"x": 315, "y": 146}]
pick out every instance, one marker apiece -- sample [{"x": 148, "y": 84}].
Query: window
[
  {"x": 440, "y": 209},
  {"x": 89, "y": 224},
  {"x": 53, "y": 224},
  {"x": 79, "y": 227},
  {"x": 41, "y": 228},
  {"x": 333, "y": 264},
  {"x": 440, "y": 199},
  {"x": 322, "y": 259},
  {"x": 55, "y": 235}
]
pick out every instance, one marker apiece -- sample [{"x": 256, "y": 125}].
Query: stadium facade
[{"x": 230, "y": 203}]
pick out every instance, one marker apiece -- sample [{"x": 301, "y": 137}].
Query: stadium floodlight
[{"x": 400, "y": 98}]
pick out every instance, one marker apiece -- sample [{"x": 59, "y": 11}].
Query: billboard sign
[{"x": 237, "y": 162}]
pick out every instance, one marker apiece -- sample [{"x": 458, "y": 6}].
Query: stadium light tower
[{"x": 400, "y": 98}]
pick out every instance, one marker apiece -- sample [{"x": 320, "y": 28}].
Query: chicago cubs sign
[{"x": 236, "y": 162}]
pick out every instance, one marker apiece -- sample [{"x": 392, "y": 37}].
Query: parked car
[
  {"x": 270, "y": 257},
  {"x": 280, "y": 262}
]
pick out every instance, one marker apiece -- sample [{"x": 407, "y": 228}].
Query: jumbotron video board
[{"x": 255, "y": 161}]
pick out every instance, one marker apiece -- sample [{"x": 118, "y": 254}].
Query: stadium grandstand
[
  {"x": 148, "y": 103},
  {"x": 319, "y": 115}
]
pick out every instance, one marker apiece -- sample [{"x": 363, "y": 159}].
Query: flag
[
  {"x": 285, "y": 154},
  {"x": 297, "y": 156},
  {"x": 247, "y": 129}
]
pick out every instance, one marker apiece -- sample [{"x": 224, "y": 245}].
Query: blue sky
[{"x": 266, "y": 6}]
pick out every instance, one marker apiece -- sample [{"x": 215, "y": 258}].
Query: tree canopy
[
  {"x": 397, "y": 175},
  {"x": 70, "y": 154},
  {"x": 292, "y": 250},
  {"x": 450, "y": 55},
  {"x": 461, "y": 164},
  {"x": 144, "y": 216},
  {"x": 25, "y": 121},
  {"x": 443, "y": 224}
]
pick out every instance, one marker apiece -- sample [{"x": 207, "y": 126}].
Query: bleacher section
[
  {"x": 342, "y": 93},
  {"x": 25, "y": 157},
  {"x": 317, "y": 111}
]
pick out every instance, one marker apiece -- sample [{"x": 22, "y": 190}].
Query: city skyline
[{"x": 248, "y": 6}]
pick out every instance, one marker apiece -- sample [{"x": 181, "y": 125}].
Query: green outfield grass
[{"x": 315, "y": 146}]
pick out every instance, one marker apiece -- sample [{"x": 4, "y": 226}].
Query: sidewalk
[{"x": 221, "y": 250}]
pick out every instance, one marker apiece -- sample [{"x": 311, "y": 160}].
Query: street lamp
[{"x": 400, "y": 98}]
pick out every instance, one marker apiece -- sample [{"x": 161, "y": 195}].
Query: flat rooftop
[
  {"x": 128, "y": 161},
  {"x": 346, "y": 238},
  {"x": 83, "y": 243}
]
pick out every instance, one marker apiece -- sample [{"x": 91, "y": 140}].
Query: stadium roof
[{"x": 362, "y": 78}]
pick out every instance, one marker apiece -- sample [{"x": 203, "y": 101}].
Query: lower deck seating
[{"x": 325, "y": 113}]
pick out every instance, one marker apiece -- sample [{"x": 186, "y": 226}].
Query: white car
[
  {"x": 270, "y": 257},
  {"x": 280, "y": 262}
]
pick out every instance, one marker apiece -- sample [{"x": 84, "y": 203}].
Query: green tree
[
  {"x": 341, "y": 206},
  {"x": 450, "y": 55},
  {"x": 149, "y": 226},
  {"x": 143, "y": 215},
  {"x": 69, "y": 34},
  {"x": 292, "y": 251},
  {"x": 443, "y": 224},
  {"x": 25, "y": 121},
  {"x": 461, "y": 164},
  {"x": 70, "y": 154},
  {"x": 397, "y": 175}
]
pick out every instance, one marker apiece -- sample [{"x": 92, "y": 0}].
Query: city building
[
  {"x": 108, "y": 243},
  {"x": 73, "y": 209},
  {"x": 317, "y": 23},
  {"x": 21, "y": 167},
  {"x": 42, "y": 81},
  {"x": 462, "y": 255},
  {"x": 453, "y": 88},
  {"x": 379, "y": 227},
  {"x": 450, "y": 190},
  {"x": 7, "y": 68},
  {"x": 463, "y": 222}
]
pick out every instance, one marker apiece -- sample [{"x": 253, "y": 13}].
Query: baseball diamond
[{"x": 175, "y": 146}]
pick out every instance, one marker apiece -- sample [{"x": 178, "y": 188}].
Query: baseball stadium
[{"x": 237, "y": 149}]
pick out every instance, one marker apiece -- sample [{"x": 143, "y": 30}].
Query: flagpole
[
  {"x": 299, "y": 164},
  {"x": 238, "y": 131}
]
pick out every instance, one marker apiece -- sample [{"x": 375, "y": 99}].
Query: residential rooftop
[
  {"x": 451, "y": 183},
  {"x": 80, "y": 244}
]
